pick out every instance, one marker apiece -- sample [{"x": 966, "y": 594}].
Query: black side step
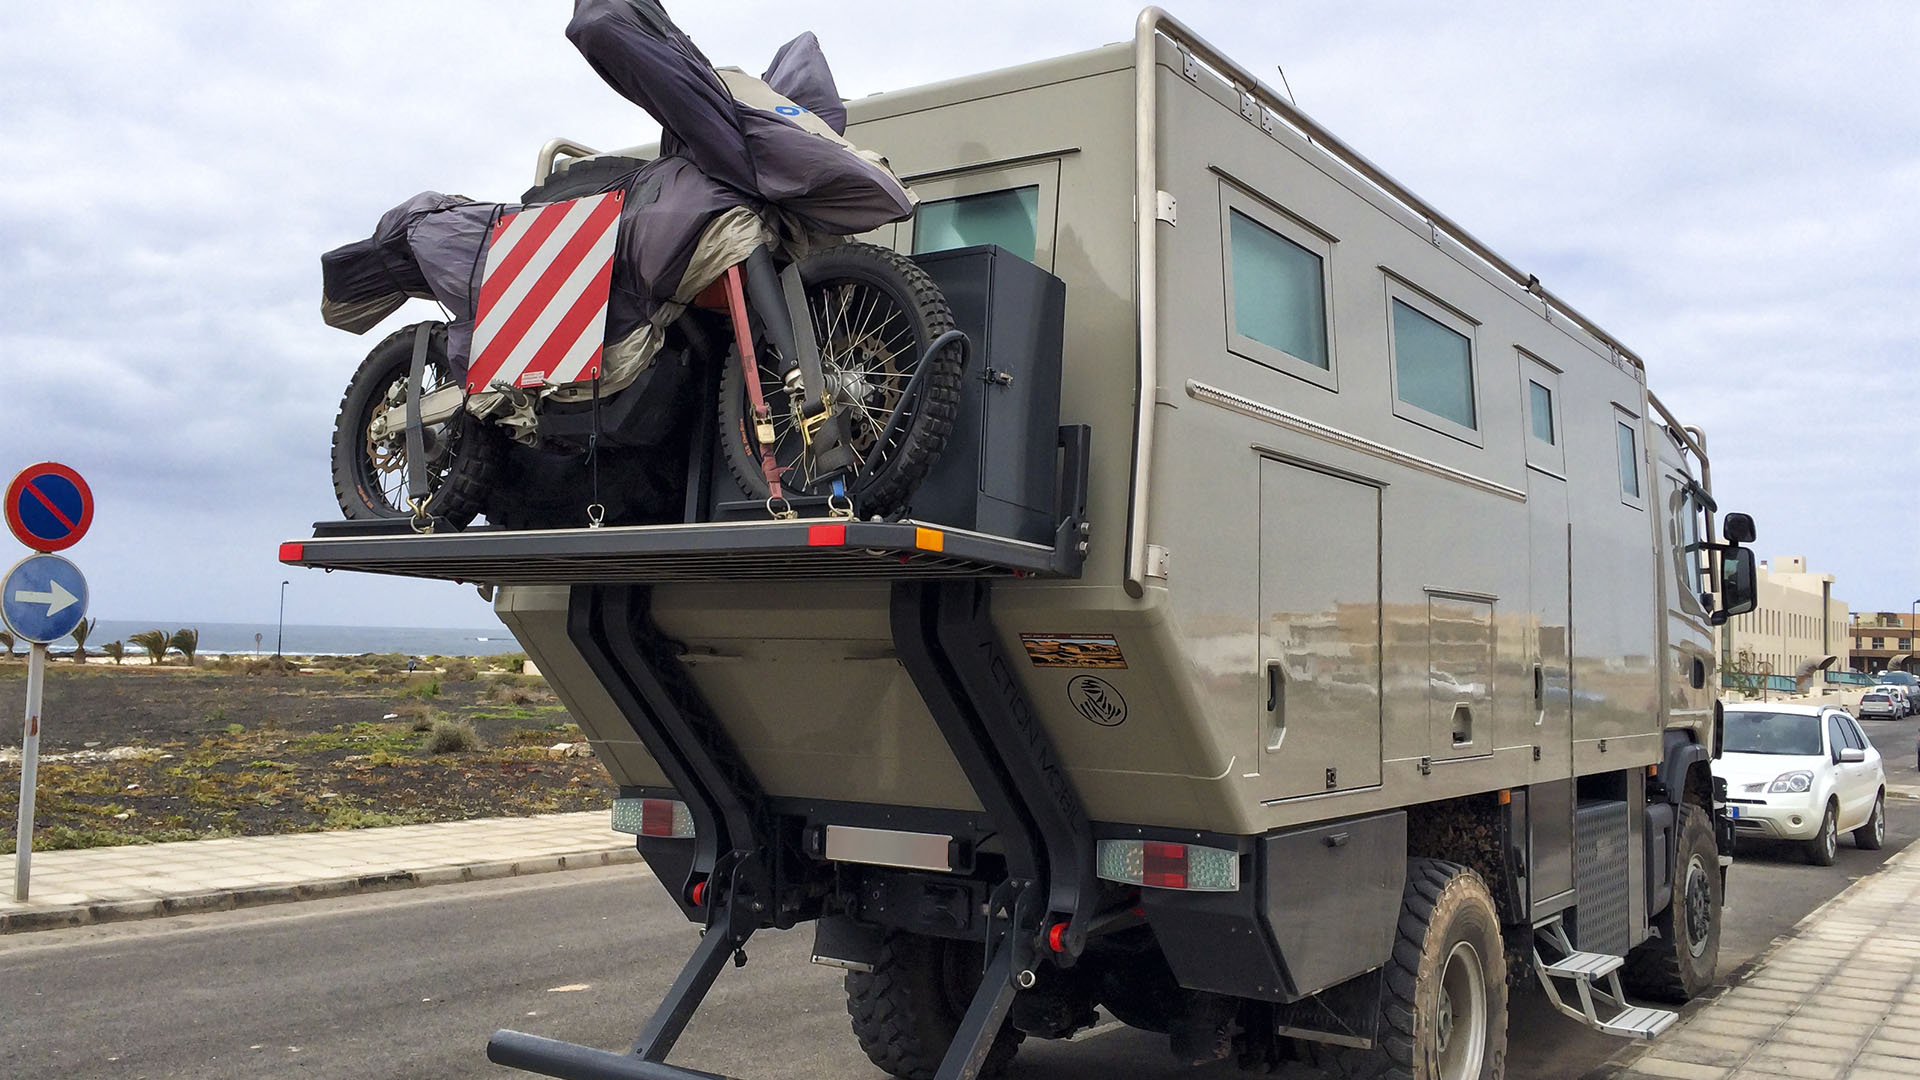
[{"x": 945, "y": 638}]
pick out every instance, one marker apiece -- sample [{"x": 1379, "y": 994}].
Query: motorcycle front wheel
[
  {"x": 874, "y": 313},
  {"x": 370, "y": 475}
]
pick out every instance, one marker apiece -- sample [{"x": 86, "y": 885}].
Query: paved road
[{"x": 410, "y": 984}]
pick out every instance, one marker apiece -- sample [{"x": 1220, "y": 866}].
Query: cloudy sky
[{"x": 1729, "y": 188}]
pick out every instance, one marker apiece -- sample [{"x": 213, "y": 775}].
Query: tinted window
[
  {"x": 1836, "y": 735},
  {"x": 1540, "y": 404},
  {"x": 1010, "y": 219},
  {"x": 1629, "y": 461},
  {"x": 1279, "y": 293},
  {"x": 1772, "y": 733},
  {"x": 1433, "y": 366},
  {"x": 1854, "y": 735}
]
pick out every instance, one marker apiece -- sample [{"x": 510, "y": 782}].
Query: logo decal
[
  {"x": 1073, "y": 650},
  {"x": 1097, "y": 700}
]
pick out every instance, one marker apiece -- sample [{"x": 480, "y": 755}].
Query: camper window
[
  {"x": 1629, "y": 463},
  {"x": 1433, "y": 368},
  {"x": 1010, "y": 219},
  {"x": 1276, "y": 289},
  {"x": 1540, "y": 405}
]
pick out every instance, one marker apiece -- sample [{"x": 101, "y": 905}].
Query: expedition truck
[{"x": 1306, "y": 633}]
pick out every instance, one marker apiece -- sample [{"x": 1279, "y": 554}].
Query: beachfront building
[
  {"x": 1797, "y": 621},
  {"x": 1882, "y": 639}
]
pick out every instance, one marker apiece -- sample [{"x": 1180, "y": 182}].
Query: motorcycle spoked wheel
[
  {"x": 370, "y": 477},
  {"x": 874, "y": 313}
]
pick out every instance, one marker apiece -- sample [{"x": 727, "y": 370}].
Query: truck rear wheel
[
  {"x": 1678, "y": 965},
  {"x": 1443, "y": 1009},
  {"x": 906, "y": 1011}
]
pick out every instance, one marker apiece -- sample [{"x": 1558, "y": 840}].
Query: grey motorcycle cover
[{"x": 771, "y": 148}]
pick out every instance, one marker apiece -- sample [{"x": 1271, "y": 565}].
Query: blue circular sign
[
  {"x": 48, "y": 506},
  {"x": 43, "y": 598}
]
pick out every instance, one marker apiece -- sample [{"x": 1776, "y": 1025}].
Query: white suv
[{"x": 1804, "y": 773}]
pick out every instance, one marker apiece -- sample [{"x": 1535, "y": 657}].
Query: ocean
[{"x": 316, "y": 640}]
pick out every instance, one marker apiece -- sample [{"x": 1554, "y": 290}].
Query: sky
[{"x": 1729, "y": 188}]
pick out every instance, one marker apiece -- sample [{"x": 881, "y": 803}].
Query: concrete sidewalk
[
  {"x": 1838, "y": 998},
  {"x": 73, "y": 888}
]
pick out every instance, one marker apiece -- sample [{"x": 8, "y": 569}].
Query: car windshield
[{"x": 1772, "y": 733}]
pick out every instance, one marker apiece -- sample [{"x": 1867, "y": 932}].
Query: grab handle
[{"x": 1276, "y": 703}]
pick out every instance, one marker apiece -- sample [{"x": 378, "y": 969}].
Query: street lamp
[{"x": 280, "y": 635}]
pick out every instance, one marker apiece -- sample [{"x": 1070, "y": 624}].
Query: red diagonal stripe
[
  {"x": 554, "y": 275},
  {"x": 497, "y": 280},
  {"x": 574, "y": 323},
  {"x": 48, "y": 503}
]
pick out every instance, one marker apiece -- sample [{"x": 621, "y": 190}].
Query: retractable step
[
  {"x": 1584, "y": 965},
  {"x": 1595, "y": 980},
  {"x": 1639, "y": 1022}
]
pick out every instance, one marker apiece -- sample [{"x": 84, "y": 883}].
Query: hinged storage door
[{"x": 1319, "y": 703}]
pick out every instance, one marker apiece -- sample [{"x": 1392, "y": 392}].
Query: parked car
[
  {"x": 1878, "y": 704},
  {"x": 1902, "y": 697},
  {"x": 1804, "y": 773},
  {"x": 1905, "y": 680}
]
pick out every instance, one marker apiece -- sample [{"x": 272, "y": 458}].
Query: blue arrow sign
[{"x": 43, "y": 598}]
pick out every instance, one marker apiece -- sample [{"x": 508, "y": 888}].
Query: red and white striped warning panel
[{"x": 543, "y": 297}]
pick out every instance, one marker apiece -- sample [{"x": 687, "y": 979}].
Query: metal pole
[
  {"x": 280, "y": 635},
  {"x": 29, "y": 772}
]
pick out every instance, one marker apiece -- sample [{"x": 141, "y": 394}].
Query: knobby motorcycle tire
[
  {"x": 459, "y": 490},
  {"x": 887, "y": 488}
]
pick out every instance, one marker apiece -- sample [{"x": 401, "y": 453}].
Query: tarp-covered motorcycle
[{"x": 581, "y": 317}]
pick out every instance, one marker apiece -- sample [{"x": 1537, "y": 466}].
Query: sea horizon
[{"x": 305, "y": 639}]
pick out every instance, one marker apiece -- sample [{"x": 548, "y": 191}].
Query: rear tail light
[
  {"x": 1158, "y": 865},
  {"x": 664, "y": 818}
]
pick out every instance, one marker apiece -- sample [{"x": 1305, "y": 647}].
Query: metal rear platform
[
  {"x": 814, "y": 548},
  {"x": 722, "y": 551}
]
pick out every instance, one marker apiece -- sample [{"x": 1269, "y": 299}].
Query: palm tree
[
  {"x": 80, "y": 634},
  {"x": 187, "y": 641},
  {"x": 6, "y": 638},
  {"x": 154, "y": 641},
  {"x": 115, "y": 649}
]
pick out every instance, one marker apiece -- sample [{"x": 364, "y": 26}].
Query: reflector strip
[
  {"x": 826, "y": 536},
  {"x": 292, "y": 552},
  {"x": 929, "y": 539},
  {"x": 661, "y": 818},
  {"x": 541, "y": 316},
  {"x": 1161, "y": 865}
]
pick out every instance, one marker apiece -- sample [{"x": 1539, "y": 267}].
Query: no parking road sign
[
  {"x": 43, "y": 598},
  {"x": 49, "y": 507}
]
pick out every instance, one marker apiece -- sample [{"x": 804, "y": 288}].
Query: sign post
[
  {"x": 29, "y": 772},
  {"x": 42, "y": 599}
]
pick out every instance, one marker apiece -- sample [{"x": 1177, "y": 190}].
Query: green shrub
[{"x": 451, "y": 737}]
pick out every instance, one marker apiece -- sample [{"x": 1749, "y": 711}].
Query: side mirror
[
  {"x": 1738, "y": 528},
  {"x": 1850, "y": 756},
  {"x": 1739, "y": 590}
]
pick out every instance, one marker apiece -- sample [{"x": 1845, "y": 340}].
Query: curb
[
  {"x": 106, "y": 911},
  {"x": 1630, "y": 1055}
]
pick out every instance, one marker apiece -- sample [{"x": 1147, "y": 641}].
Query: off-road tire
[
  {"x": 1678, "y": 964},
  {"x": 1873, "y": 835},
  {"x": 1824, "y": 848},
  {"x": 885, "y": 490},
  {"x": 906, "y": 1011},
  {"x": 459, "y": 487},
  {"x": 1444, "y": 906}
]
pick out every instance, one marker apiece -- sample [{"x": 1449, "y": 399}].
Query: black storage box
[{"x": 997, "y": 474}]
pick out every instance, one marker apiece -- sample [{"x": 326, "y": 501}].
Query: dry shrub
[
  {"x": 451, "y": 737},
  {"x": 461, "y": 671}
]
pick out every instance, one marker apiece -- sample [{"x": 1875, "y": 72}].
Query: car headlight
[{"x": 1793, "y": 781}]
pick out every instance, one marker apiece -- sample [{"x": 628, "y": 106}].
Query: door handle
[
  {"x": 1276, "y": 704},
  {"x": 1539, "y": 695}
]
